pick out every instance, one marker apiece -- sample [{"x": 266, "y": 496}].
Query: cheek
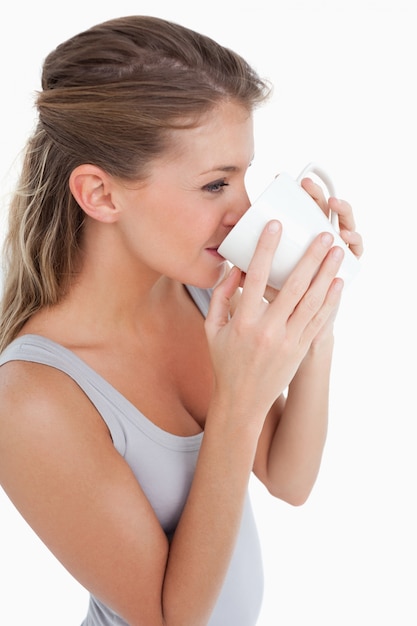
[
  {"x": 157, "y": 238},
  {"x": 158, "y": 227}
]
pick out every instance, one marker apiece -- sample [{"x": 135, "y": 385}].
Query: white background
[{"x": 345, "y": 96}]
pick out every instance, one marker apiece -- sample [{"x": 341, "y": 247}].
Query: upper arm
[{"x": 59, "y": 467}]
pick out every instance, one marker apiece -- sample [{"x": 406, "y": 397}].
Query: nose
[{"x": 238, "y": 207}]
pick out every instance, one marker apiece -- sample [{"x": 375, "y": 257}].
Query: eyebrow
[
  {"x": 221, "y": 168},
  {"x": 225, "y": 168}
]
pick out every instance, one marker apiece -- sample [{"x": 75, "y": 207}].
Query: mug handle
[{"x": 316, "y": 169}]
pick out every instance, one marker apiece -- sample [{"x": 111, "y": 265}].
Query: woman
[{"x": 124, "y": 337}]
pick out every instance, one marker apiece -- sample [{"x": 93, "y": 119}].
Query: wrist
[{"x": 233, "y": 418}]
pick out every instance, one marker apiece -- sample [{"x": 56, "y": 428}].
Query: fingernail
[
  {"x": 327, "y": 239},
  {"x": 274, "y": 226},
  {"x": 337, "y": 253}
]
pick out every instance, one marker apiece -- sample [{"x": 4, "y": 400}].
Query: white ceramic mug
[{"x": 302, "y": 220}]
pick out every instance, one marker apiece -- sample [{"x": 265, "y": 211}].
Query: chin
[{"x": 211, "y": 279}]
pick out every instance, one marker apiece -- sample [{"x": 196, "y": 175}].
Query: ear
[{"x": 92, "y": 189}]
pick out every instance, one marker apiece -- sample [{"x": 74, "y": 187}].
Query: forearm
[
  {"x": 204, "y": 540},
  {"x": 297, "y": 445}
]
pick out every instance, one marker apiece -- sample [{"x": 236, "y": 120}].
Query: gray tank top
[{"x": 164, "y": 466}]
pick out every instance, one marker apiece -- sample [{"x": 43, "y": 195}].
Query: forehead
[{"x": 223, "y": 135}]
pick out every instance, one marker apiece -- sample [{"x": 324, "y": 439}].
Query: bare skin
[{"x": 225, "y": 375}]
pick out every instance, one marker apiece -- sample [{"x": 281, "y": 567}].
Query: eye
[{"x": 216, "y": 186}]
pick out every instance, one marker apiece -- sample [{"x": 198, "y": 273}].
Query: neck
[{"x": 112, "y": 295}]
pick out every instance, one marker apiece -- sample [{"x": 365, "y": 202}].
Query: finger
[
  {"x": 328, "y": 308},
  {"x": 354, "y": 241},
  {"x": 312, "y": 302},
  {"x": 270, "y": 292},
  {"x": 221, "y": 302},
  {"x": 301, "y": 277},
  {"x": 259, "y": 268},
  {"x": 316, "y": 192},
  {"x": 344, "y": 212}
]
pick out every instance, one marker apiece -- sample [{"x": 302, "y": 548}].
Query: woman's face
[{"x": 175, "y": 221}]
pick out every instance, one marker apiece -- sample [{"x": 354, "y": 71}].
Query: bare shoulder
[
  {"x": 59, "y": 467},
  {"x": 44, "y": 417},
  {"x": 32, "y": 394}
]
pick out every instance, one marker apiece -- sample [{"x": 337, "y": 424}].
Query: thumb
[{"x": 220, "y": 305}]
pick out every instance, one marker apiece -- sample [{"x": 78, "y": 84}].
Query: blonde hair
[{"x": 109, "y": 97}]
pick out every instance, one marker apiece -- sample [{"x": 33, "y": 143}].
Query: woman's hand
[
  {"x": 257, "y": 346},
  {"x": 346, "y": 223},
  {"x": 344, "y": 211},
  {"x": 347, "y": 232}
]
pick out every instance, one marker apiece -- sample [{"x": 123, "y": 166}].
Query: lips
[{"x": 214, "y": 251}]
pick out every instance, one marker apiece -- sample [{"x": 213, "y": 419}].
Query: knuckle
[
  {"x": 296, "y": 287},
  {"x": 312, "y": 302},
  {"x": 266, "y": 341},
  {"x": 256, "y": 274},
  {"x": 316, "y": 323},
  {"x": 261, "y": 341}
]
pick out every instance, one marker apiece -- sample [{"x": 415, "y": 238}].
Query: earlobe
[{"x": 91, "y": 188}]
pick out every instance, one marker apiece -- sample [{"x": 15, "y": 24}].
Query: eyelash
[{"x": 216, "y": 187}]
